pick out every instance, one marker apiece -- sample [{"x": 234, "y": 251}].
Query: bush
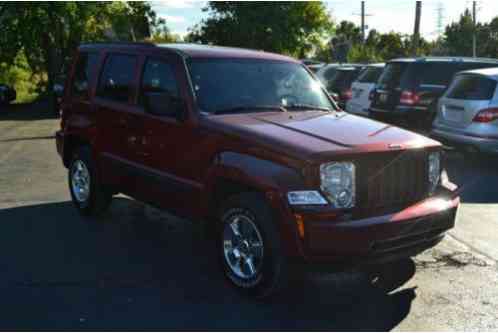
[{"x": 21, "y": 78}]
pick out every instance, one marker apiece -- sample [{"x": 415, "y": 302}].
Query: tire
[
  {"x": 95, "y": 199},
  {"x": 252, "y": 211}
]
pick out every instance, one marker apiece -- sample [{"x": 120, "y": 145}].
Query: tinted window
[
  {"x": 473, "y": 87},
  {"x": 342, "y": 79},
  {"x": 476, "y": 65},
  {"x": 84, "y": 74},
  {"x": 159, "y": 76},
  {"x": 116, "y": 81},
  {"x": 436, "y": 73},
  {"x": 326, "y": 74},
  {"x": 392, "y": 74},
  {"x": 223, "y": 84},
  {"x": 159, "y": 89},
  {"x": 370, "y": 75}
]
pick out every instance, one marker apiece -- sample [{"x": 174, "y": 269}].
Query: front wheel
[
  {"x": 89, "y": 196},
  {"x": 249, "y": 246}
]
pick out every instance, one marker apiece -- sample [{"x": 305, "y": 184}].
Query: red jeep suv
[{"x": 251, "y": 143}]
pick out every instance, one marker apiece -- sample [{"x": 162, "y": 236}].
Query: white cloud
[
  {"x": 174, "y": 4},
  {"x": 173, "y": 19}
]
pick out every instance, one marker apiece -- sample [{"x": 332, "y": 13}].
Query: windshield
[{"x": 239, "y": 85}]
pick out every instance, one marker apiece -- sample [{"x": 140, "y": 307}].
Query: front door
[{"x": 169, "y": 140}]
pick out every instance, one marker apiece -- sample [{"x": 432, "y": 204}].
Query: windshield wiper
[
  {"x": 238, "y": 109},
  {"x": 307, "y": 107}
]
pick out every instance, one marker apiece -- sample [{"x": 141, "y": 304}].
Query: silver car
[{"x": 467, "y": 116}]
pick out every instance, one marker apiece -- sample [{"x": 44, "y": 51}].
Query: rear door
[
  {"x": 466, "y": 96},
  {"x": 119, "y": 120}
]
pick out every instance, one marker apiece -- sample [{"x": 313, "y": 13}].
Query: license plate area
[
  {"x": 383, "y": 97},
  {"x": 453, "y": 114}
]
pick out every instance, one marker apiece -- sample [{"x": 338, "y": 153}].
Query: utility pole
[
  {"x": 474, "y": 35},
  {"x": 363, "y": 16},
  {"x": 416, "y": 32},
  {"x": 363, "y": 21}
]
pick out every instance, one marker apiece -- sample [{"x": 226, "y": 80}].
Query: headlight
[
  {"x": 306, "y": 198},
  {"x": 338, "y": 183},
  {"x": 434, "y": 170}
]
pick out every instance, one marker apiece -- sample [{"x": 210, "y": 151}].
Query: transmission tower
[{"x": 440, "y": 19}]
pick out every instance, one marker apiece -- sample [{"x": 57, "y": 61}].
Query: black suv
[
  {"x": 408, "y": 89},
  {"x": 340, "y": 83}
]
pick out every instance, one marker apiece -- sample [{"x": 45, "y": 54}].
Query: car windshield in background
[
  {"x": 471, "y": 87},
  {"x": 391, "y": 76},
  {"x": 222, "y": 85},
  {"x": 370, "y": 75}
]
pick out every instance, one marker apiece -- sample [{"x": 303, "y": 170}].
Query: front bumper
[
  {"x": 463, "y": 140},
  {"x": 378, "y": 239},
  {"x": 59, "y": 141}
]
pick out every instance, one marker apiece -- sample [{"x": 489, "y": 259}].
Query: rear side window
[
  {"x": 392, "y": 74},
  {"x": 370, "y": 75},
  {"x": 116, "y": 80},
  {"x": 471, "y": 87},
  {"x": 84, "y": 74}
]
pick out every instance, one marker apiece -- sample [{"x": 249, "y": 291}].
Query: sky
[{"x": 385, "y": 15}]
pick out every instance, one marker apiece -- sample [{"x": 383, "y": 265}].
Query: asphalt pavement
[{"x": 139, "y": 269}]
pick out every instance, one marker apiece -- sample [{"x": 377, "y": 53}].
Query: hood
[{"x": 317, "y": 135}]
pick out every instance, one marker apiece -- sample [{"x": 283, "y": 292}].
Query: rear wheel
[
  {"x": 89, "y": 196},
  {"x": 249, "y": 246}
]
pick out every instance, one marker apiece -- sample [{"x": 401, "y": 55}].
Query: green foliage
[
  {"x": 363, "y": 54},
  {"x": 47, "y": 33},
  {"x": 20, "y": 77},
  {"x": 458, "y": 35},
  {"x": 291, "y": 28}
]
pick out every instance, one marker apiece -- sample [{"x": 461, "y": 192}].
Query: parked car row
[{"x": 453, "y": 97}]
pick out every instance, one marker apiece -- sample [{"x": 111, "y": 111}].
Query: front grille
[{"x": 391, "y": 181}]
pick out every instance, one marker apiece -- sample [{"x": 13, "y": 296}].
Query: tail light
[
  {"x": 486, "y": 115},
  {"x": 409, "y": 98},
  {"x": 347, "y": 94}
]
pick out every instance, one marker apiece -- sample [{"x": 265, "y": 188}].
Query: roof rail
[{"x": 118, "y": 44}]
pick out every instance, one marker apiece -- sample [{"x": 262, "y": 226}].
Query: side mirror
[{"x": 163, "y": 104}]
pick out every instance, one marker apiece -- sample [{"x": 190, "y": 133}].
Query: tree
[
  {"x": 392, "y": 45},
  {"x": 283, "y": 27},
  {"x": 48, "y": 32},
  {"x": 458, "y": 35}
]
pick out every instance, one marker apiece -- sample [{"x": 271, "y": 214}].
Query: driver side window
[{"x": 159, "y": 92}]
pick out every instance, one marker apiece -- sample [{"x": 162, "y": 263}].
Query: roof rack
[{"x": 118, "y": 44}]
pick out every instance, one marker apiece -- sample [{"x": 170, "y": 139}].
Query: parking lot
[{"x": 138, "y": 269}]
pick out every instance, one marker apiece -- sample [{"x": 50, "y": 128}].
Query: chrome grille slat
[{"x": 389, "y": 181}]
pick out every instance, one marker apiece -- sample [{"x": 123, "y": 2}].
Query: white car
[
  {"x": 467, "y": 116},
  {"x": 361, "y": 88}
]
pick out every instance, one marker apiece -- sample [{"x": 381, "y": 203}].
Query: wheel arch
[{"x": 236, "y": 173}]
